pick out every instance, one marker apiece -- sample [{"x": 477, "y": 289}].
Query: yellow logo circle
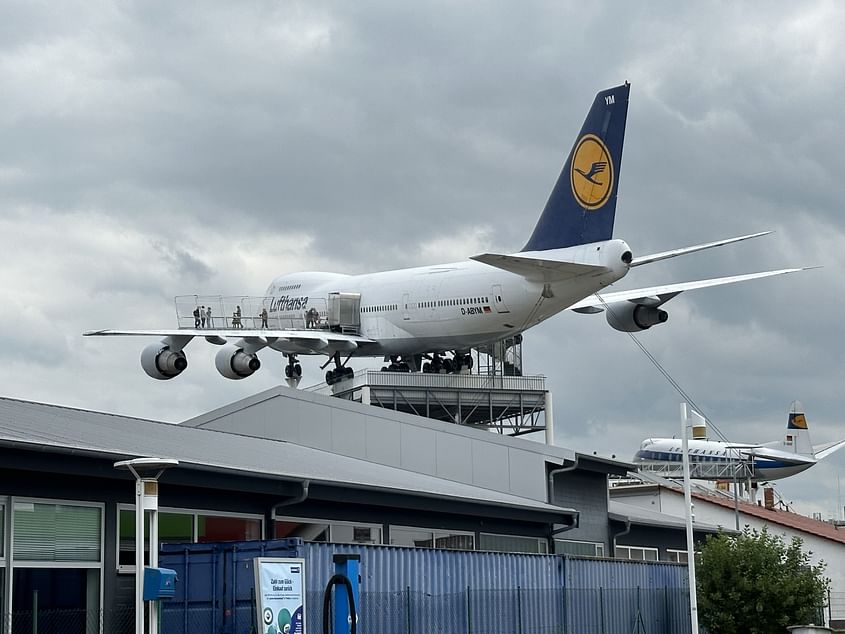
[{"x": 591, "y": 172}]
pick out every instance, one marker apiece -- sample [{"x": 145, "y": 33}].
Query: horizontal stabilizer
[
  {"x": 537, "y": 269},
  {"x": 665, "y": 255},
  {"x": 668, "y": 291},
  {"x": 823, "y": 451}
]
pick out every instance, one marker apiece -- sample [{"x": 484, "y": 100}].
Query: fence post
[
  {"x": 519, "y": 609},
  {"x": 469, "y": 613},
  {"x": 563, "y": 624},
  {"x": 35, "y": 612},
  {"x": 601, "y": 607},
  {"x": 407, "y": 608}
]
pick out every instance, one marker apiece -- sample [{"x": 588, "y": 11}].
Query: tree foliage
[{"x": 756, "y": 583}]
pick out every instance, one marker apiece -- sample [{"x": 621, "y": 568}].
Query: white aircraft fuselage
[
  {"x": 453, "y": 306},
  {"x": 769, "y": 464}
]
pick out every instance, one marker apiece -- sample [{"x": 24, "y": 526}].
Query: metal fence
[
  {"x": 70, "y": 621},
  {"x": 836, "y": 608},
  {"x": 474, "y": 611}
]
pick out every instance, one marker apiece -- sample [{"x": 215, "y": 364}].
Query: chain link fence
[
  {"x": 70, "y": 621},
  {"x": 836, "y": 609}
]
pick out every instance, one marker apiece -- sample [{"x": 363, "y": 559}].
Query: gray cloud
[{"x": 149, "y": 150}]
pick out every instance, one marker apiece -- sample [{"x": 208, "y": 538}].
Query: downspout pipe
[
  {"x": 621, "y": 533},
  {"x": 554, "y": 472},
  {"x": 301, "y": 497},
  {"x": 551, "y": 490}
]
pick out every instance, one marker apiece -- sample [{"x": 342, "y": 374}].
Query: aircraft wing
[
  {"x": 665, "y": 255},
  {"x": 823, "y": 451},
  {"x": 657, "y": 295},
  {"x": 295, "y": 341}
]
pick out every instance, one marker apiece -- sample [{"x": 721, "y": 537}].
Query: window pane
[
  {"x": 310, "y": 532},
  {"x": 510, "y": 543},
  {"x": 454, "y": 542},
  {"x": 349, "y": 534},
  {"x": 214, "y": 528},
  {"x": 411, "y": 537},
  {"x": 56, "y": 532},
  {"x": 126, "y": 537},
  {"x": 172, "y": 528},
  {"x": 175, "y": 528},
  {"x": 584, "y": 549}
]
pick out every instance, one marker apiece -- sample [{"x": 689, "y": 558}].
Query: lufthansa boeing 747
[{"x": 409, "y": 315}]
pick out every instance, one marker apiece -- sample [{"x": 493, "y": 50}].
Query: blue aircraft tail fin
[{"x": 582, "y": 205}]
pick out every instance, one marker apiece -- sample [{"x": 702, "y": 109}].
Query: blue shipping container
[{"x": 418, "y": 590}]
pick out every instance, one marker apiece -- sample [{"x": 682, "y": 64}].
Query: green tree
[{"x": 756, "y": 583}]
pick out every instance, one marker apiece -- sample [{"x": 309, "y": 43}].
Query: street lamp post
[
  {"x": 685, "y": 424},
  {"x": 146, "y": 471}
]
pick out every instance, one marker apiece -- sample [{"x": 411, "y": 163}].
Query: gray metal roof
[
  {"x": 639, "y": 516},
  {"x": 67, "y": 430}
]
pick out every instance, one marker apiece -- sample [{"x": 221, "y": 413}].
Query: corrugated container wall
[{"x": 416, "y": 590}]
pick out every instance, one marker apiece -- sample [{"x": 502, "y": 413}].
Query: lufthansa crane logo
[{"x": 592, "y": 172}]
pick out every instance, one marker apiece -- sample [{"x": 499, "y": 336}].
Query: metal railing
[
  {"x": 235, "y": 312},
  {"x": 375, "y": 378},
  {"x": 738, "y": 470}
]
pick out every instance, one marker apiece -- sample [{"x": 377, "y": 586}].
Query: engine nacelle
[
  {"x": 162, "y": 363},
  {"x": 629, "y": 317},
  {"x": 233, "y": 363}
]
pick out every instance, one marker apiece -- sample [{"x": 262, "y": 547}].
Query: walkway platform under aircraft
[
  {"x": 511, "y": 405},
  {"x": 740, "y": 470}
]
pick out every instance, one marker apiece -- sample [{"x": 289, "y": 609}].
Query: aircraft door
[
  {"x": 499, "y": 300},
  {"x": 406, "y": 306}
]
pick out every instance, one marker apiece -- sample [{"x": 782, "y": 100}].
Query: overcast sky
[{"x": 152, "y": 149}]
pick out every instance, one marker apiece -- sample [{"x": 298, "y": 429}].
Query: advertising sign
[{"x": 280, "y": 595}]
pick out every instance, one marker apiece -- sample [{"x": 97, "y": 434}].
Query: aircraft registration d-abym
[
  {"x": 774, "y": 460},
  {"x": 408, "y": 315}
]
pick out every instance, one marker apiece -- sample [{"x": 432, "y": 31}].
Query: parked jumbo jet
[
  {"x": 409, "y": 315},
  {"x": 771, "y": 461}
]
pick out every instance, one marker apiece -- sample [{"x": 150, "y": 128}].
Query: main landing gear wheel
[
  {"x": 439, "y": 365},
  {"x": 396, "y": 365},
  {"x": 338, "y": 374}
]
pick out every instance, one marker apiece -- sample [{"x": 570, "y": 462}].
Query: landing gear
[
  {"x": 396, "y": 365},
  {"x": 340, "y": 371},
  {"x": 439, "y": 365},
  {"x": 293, "y": 371}
]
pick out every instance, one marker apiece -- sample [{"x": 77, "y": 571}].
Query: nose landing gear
[{"x": 293, "y": 371}]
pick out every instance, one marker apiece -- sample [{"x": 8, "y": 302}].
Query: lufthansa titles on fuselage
[{"x": 288, "y": 302}]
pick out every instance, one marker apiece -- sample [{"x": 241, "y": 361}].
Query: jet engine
[
  {"x": 233, "y": 363},
  {"x": 629, "y": 317},
  {"x": 160, "y": 362}
]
